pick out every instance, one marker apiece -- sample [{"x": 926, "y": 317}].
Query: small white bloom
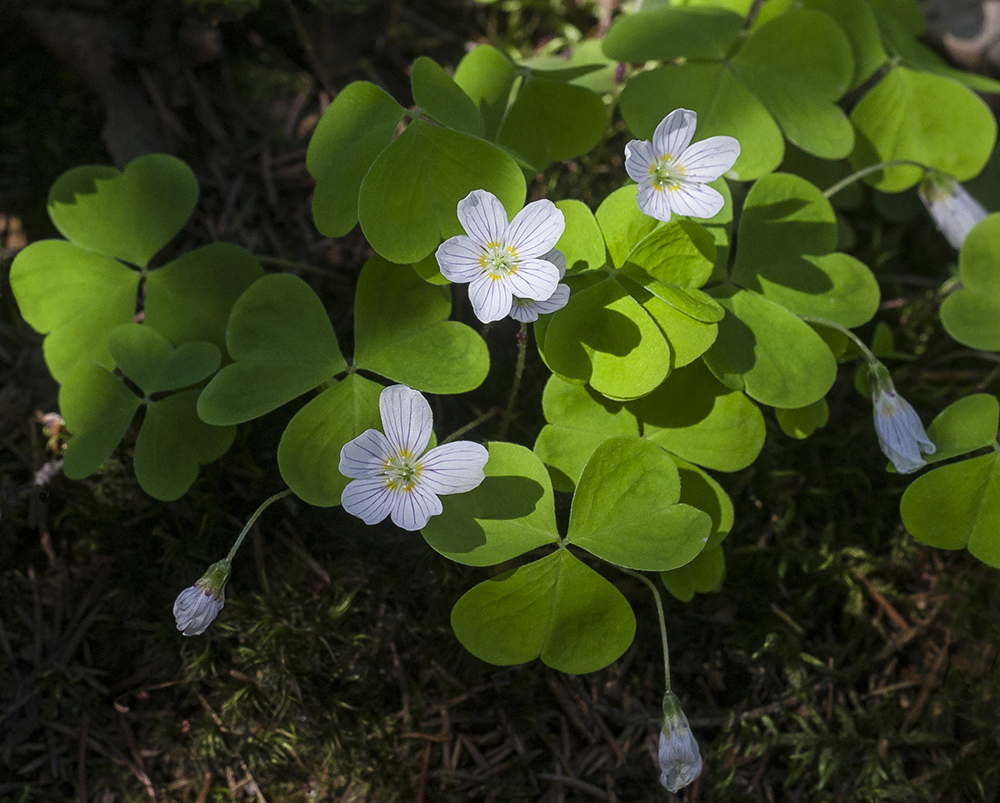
[
  {"x": 501, "y": 260},
  {"x": 527, "y": 311},
  {"x": 954, "y": 211},
  {"x": 900, "y": 433},
  {"x": 680, "y": 758},
  {"x": 197, "y": 606},
  {"x": 391, "y": 474},
  {"x": 671, "y": 172}
]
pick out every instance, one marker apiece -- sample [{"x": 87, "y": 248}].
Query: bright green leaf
[
  {"x": 151, "y": 361},
  {"x": 964, "y": 426},
  {"x": 667, "y": 33},
  {"x": 511, "y": 512},
  {"x": 283, "y": 345},
  {"x": 802, "y": 422},
  {"x": 581, "y": 241},
  {"x": 487, "y": 76},
  {"x": 703, "y": 575},
  {"x": 409, "y": 199},
  {"x": 555, "y": 608},
  {"x": 402, "y": 332},
  {"x": 309, "y": 451},
  {"x": 625, "y": 509},
  {"x": 352, "y": 132},
  {"x": 971, "y": 314},
  {"x": 437, "y": 95},
  {"x": 130, "y": 215}
]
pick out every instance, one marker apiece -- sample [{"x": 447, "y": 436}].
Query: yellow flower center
[
  {"x": 498, "y": 261},
  {"x": 666, "y": 174}
]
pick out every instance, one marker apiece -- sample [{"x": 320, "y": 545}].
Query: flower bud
[
  {"x": 900, "y": 433},
  {"x": 680, "y": 759},
  {"x": 197, "y": 606},
  {"x": 954, "y": 211}
]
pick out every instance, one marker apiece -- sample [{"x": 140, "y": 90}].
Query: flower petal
[
  {"x": 460, "y": 259},
  {"x": 674, "y": 133},
  {"x": 556, "y": 301},
  {"x": 653, "y": 202},
  {"x": 524, "y": 310},
  {"x": 557, "y": 258},
  {"x": 639, "y": 156},
  {"x": 491, "y": 298},
  {"x": 453, "y": 468},
  {"x": 370, "y": 500},
  {"x": 406, "y": 419},
  {"x": 535, "y": 229},
  {"x": 534, "y": 278},
  {"x": 901, "y": 435},
  {"x": 411, "y": 509},
  {"x": 695, "y": 200},
  {"x": 710, "y": 158},
  {"x": 365, "y": 456},
  {"x": 483, "y": 217},
  {"x": 195, "y": 608}
]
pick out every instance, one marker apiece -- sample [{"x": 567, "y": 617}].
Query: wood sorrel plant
[{"x": 665, "y": 334}]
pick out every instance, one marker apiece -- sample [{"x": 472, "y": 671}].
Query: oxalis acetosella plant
[{"x": 704, "y": 290}]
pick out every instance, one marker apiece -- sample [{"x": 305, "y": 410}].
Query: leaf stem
[
  {"x": 864, "y": 171},
  {"x": 522, "y": 349},
  {"x": 471, "y": 425},
  {"x": 663, "y": 621},
  {"x": 867, "y": 352},
  {"x": 253, "y": 518}
]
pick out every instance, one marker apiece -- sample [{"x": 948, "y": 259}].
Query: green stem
[
  {"x": 864, "y": 171},
  {"x": 663, "y": 621},
  {"x": 867, "y": 352},
  {"x": 253, "y": 518},
  {"x": 471, "y": 425},
  {"x": 522, "y": 349}
]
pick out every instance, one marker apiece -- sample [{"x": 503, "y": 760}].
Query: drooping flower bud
[
  {"x": 954, "y": 211},
  {"x": 900, "y": 432},
  {"x": 197, "y": 606},
  {"x": 680, "y": 759}
]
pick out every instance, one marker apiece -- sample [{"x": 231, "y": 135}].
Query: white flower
[
  {"x": 197, "y": 606},
  {"x": 671, "y": 173},
  {"x": 900, "y": 433},
  {"x": 391, "y": 474},
  {"x": 680, "y": 759},
  {"x": 954, "y": 211},
  {"x": 527, "y": 311},
  {"x": 501, "y": 260}
]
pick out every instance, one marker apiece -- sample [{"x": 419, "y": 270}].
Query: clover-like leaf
[
  {"x": 283, "y": 345},
  {"x": 76, "y": 298},
  {"x": 555, "y": 608},
  {"x": 787, "y": 232},
  {"x": 410, "y": 195},
  {"x": 173, "y": 443},
  {"x": 487, "y": 76},
  {"x": 97, "y": 409},
  {"x": 128, "y": 216},
  {"x": 964, "y": 426},
  {"x": 309, "y": 451},
  {"x": 191, "y": 297},
  {"x": 971, "y": 314},
  {"x": 784, "y": 79},
  {"x": 626, "y": 511},
  {"x": 552, "y": 121},
  {"x": 581, "y": 241},
  {"x": 402, "y": 332},
  {"x": 511, "y": 512},
  {"x": 700, "y": 490},
  {"x": 912, "y": 115},
  {"x": 695, "y": 416},
  {"x": 151, "y": 361},
  {"x": 957, "y": 506},
  {"x": 352, "y": 132},
  {"x": 703, "y": 575},
  {"x": 769, "y": 353},
  {"x": 579, "y": 420},
  {"x": 437, "y": 95},
  {"x": 801, "y": 422}
]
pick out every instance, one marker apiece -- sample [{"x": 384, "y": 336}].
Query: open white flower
[
  {"x": 527, "y": 311},
  {"x": 671, "y": 172},
  {"x": 501, "y": 260},
  {"x": 197, "y": 606},
  {"x": 900, "y": 433},
  {"x": 954, "y": 211},
  {"x": 391, "y": 474},
  {"x": 680, "y": 758}
]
